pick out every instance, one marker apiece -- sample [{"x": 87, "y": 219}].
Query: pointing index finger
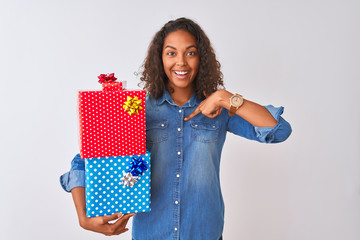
[{"x": 193, "y": 114}]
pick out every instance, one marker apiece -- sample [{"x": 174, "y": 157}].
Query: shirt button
[
  {"x": 162, "y": 125},
  {"x": 175, "y": 229},
  {"x": 179, "y": 153},
  {"x": 180, "y": 110},
  {"x": 179, "y": 129},
  {"x": 176, "y": 202},
  {"x": 177, "y": 175},
  {"x": 196, "y": 125}
]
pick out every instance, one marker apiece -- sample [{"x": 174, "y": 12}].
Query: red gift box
[
  {"x": 112, "y": 123},
  {"x": 115, "y": 86}
]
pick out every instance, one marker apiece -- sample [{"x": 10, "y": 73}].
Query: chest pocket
[
  {"x": 204, "y": 131},
  {"x": 156, "y": 131}
]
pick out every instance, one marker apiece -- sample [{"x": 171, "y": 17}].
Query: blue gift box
[{"x": 118, "y": 184}]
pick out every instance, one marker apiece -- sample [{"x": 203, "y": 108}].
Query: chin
[{"x": 180, "y": 85}]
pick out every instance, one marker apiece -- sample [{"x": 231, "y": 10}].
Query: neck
[{"x": 181, "y": 96}]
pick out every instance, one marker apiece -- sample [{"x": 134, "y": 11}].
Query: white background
[{"x": 303, "y": 55}]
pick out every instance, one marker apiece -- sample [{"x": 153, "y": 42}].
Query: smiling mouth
[{"x": 181, "y": 73}]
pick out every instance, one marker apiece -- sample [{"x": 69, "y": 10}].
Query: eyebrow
[{"x": 168, "y": 46}]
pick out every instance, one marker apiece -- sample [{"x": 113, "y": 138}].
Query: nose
[{"x": 181, "y": 60}]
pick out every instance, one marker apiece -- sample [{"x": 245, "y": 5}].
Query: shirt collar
[{"x": 166, "y": 97}]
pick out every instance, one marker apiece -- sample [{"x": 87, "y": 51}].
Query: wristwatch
[{"x": 236, "y": 101}]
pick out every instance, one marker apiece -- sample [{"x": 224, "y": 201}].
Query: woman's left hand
[{"x": 212, "y": 105}]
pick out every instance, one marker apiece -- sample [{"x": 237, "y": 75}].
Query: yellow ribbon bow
[{"x": 132, "y": 105}]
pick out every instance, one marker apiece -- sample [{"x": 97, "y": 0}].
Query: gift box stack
[{"x": 112, "y": 142}]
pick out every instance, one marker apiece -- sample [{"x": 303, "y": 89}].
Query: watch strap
[{"x": 232, "y": 110}]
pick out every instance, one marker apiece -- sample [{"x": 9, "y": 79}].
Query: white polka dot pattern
[
  {"x": 114, "y": 86},
  {"x": 106, "y": 129},
  {"x": 106, "y": 195}
]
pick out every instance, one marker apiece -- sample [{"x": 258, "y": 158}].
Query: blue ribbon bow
[{"x": 137, "y": 166}]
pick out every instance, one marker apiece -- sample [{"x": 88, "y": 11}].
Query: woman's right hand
[{"x": 105, "y": 224}]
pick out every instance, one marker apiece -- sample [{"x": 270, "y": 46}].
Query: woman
[{"x": 187, "y": 118}]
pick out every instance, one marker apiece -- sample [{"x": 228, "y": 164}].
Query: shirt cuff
[
  {"x": 267, "y": 134},
  {"x": 72, "y": 179}
]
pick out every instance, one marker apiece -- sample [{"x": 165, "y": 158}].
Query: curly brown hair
[{"x": 208, "y": 78}]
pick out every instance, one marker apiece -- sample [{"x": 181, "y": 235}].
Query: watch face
[{"x": 236, "y": 100}]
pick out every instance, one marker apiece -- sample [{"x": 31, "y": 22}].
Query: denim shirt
[{"x": 186, "y": 199}]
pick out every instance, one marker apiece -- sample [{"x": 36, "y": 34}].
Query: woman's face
[{"x": 180, "y": 59}]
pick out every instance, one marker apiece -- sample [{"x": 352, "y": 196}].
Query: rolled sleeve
[
  {"x": 76, "y": 176},
  {"x": 279, "y": 133},
  {"x": 72, "y": 179}
]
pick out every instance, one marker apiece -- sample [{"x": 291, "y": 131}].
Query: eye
[
  {"x": 192, "y": 53},
  {"x": 170, "y": 53}
]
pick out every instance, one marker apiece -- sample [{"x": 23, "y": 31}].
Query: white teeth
[{"x": 181, "y": 73}]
